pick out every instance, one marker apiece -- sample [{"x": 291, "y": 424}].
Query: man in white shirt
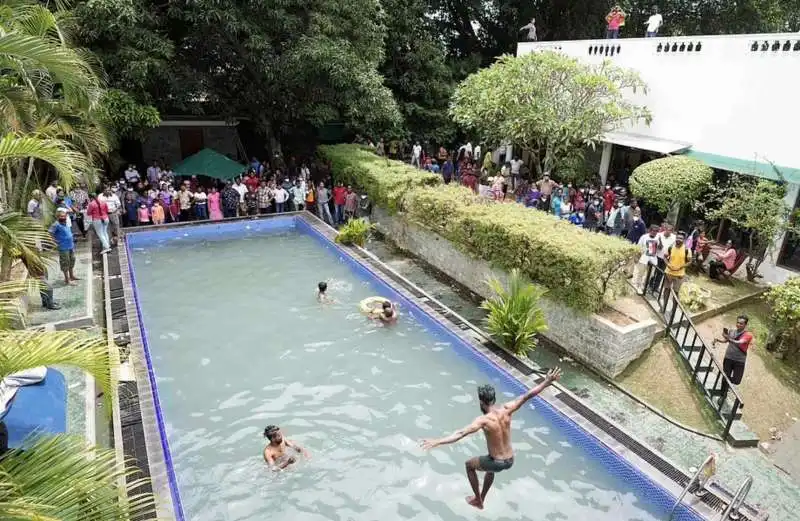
[
  {"x": 281, "y": 196},
  {"x": 154, "y": 173},
  {"x": 531, "y": 28},
  {"x": 416, "y": 153},
  {"x": 132, "y": 175},
  {"x": 666, "y": 240},
  {"x": 516, "y": 165},
  {"x": 240, "y": 187},
  {"x": 52, "y": 191},
  {"x": 111, "y": 199},
  {"x": 305, "y": 173},
  {"x": 653, "y": 24}
]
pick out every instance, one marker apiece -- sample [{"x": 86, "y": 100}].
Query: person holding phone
[{"x": 739, "y": 341}]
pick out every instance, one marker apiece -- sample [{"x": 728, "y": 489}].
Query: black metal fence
[{"x": 699, "y": 360}]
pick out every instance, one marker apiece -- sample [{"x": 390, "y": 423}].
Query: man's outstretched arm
[
  {"x": 472, "y": 428},
  {"x": 552, "y": 375}
]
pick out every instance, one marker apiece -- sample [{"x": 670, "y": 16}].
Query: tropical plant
[
  {"x": 758, "y": 208},
  {"x": 355, "y": 231},
  {"x": 784, "y": 318},
  {"x": 548, "y": 104},
  {"x": 59, "y": 477},
  {"x": 671, "y": 182},
  {"x": 515, "y": 317}
]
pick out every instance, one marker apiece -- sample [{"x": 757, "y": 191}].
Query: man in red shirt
[
  {"x": 736, "y": 355},
  {"x": 251, "y": 181},
  {"x": 97, "y": 211},
  {"x": 339, "y": 200}
]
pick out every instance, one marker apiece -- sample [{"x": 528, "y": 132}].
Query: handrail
[
  {"x": 677, "y": 300},
  {"x": 732, "y": 511},
  {"x": 711, "y": 458}
]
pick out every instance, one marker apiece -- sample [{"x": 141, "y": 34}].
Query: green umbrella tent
[{"x": 210, "y": 163}]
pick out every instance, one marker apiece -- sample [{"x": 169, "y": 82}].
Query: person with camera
[{"x": 739, "y": 341}]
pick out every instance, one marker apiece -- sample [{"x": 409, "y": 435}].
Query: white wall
[{"x": 724, "y": 99}]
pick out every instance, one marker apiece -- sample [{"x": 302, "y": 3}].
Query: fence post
[
  {"x": 699, "y": 360},
  {"x": 728, "y": 424}
]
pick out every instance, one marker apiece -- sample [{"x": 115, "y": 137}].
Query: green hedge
[
  {"x": 579, "y": 268},
  {"x": 384, "y": 180}
]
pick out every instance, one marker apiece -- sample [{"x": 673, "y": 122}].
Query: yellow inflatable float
[{"x": 372, "y": 305}]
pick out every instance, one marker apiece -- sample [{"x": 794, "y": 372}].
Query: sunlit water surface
[{"x": 239, "y": 341}]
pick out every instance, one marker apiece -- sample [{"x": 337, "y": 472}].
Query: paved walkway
[
  {"x": 72, "y": 299},
  {"x": 773, "y": 489}
]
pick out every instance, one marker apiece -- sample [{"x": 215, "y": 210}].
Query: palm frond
[
  {"x": 22, "y": 235},
  {"x": 11, "y": 307},
  {"x": 20, "y": 350},
  {"x": 514, "y": 316},
  {"x": 65, "y": 479},
  {"x": 57, "y": 152}
]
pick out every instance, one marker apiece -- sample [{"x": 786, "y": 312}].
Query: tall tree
[
  {"x": 416, "y": 72},
  {"x": 286, "y": 65},
  {"x": 548, "y": 104}
]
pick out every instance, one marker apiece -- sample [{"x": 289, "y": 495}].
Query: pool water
[{"x": 238, "y": 341}]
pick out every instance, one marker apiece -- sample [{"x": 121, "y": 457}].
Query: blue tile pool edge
[
  {"x": 171, "y": 478},
  {"x": 624, "y": 470}
]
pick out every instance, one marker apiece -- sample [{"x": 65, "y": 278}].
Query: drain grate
[{"x": 640, "y": 450}]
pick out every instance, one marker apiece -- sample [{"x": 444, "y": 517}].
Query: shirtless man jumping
[
  {"x": 496, "y": 426},
  {"x": 280, "y": 453}
]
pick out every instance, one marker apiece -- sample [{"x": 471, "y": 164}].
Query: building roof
[
  {"x": 748, "y": 167},
  {"x": 640, "y": 142}
]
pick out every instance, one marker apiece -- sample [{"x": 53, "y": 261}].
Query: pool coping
[{"x": 661, "y": 471}]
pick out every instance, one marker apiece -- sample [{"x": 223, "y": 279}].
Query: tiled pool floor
[{"x": 772, "y": 489}]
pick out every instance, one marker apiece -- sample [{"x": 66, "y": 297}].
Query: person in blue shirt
[
  {"x": 434, "y": 167},
  {"x": 576, "y": 218},
  {"x": 448, "y": 170},
  {"x": 62, "y": 234}
]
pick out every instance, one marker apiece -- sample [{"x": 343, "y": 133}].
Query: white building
[{"x": 728, "y": 101}]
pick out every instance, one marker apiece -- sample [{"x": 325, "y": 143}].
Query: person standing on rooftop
[
  {"x": 615, "y": 19},
  {"x": 653, "y": 24}
]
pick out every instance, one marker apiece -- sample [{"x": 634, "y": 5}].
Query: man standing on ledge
[{"x": 496, "y": 426}]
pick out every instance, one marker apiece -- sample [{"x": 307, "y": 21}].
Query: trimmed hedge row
[
  {"x": 579, "y": 268},
  {"x": 384, "y": 180}
]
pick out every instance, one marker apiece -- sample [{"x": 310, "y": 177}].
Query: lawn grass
[
  {"x": 771, "y": 387},
  {"x": 659, "y": 378}
]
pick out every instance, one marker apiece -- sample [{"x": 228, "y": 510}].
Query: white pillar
[{"x": 605, "y": 162}]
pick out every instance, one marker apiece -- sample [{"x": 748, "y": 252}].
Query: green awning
[
  {"x": 210, "y": 163},
  {"x": 747, "y": 167}
]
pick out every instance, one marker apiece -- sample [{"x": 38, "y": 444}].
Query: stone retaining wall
[{"x": 592, "y": 339}]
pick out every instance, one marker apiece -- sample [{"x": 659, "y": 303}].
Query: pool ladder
[
  {"x": 708, "y": 467},
  {"x": 732, "y": 512}
]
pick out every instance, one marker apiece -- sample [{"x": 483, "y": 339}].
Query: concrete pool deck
[{"x": 147, "y": 445}]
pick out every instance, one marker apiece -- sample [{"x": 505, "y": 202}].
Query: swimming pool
[{"x": 236, "y": 341}]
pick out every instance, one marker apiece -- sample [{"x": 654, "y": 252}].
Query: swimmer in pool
[
  {"x": 322, "y": 295},
  {"x": 280, "y": 453},
  {"x": 496, "y": 426},
  {"x": 388, "y": 315}
]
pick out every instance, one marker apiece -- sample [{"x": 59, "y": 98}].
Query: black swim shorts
[{"x": 489, "y": 464}]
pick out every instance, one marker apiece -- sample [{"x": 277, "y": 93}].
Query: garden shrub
[
  {"x": 674, "y": 179},
  {"x": 355, "y": 231},
  {"x": 384, "y": 180},
  {"x": 579, "y": 268},
  {"x": 784, "y": 318}
]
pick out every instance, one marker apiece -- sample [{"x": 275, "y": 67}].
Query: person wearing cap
[
  {"x": 62, "y": 235},
  {"x": 281, "y": 452},
  {"x": 111, "y": 199}
]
